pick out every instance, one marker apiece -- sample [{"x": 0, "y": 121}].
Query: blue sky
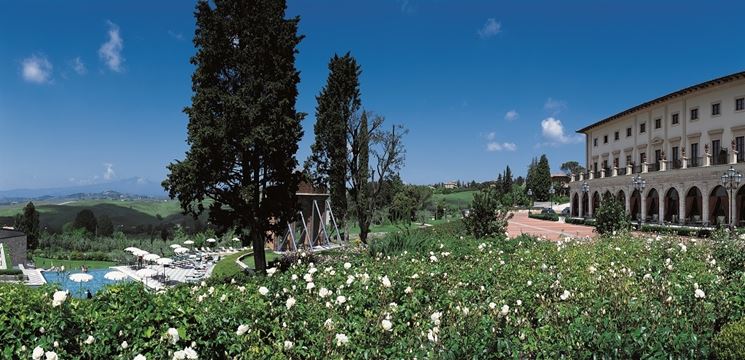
[{"x": 93, "y": 91}]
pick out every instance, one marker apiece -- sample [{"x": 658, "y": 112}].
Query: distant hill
[
  {"x": 130, "y": 216},
  {"x": 126, "y": 188}
]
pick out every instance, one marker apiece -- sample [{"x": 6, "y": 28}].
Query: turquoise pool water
[{"x": 79, "y": 289}]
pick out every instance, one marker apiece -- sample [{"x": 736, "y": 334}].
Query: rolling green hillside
[{"x": 125, "y": 215}]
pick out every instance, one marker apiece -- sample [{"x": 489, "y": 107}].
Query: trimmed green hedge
[
  {"x": 579, "y": 221},
  {"x": 730, "y": 342},
  {"x": 549, "y": 217},
  {"x": 10, "y": 272},
  {"x": 682, "y": 230}
]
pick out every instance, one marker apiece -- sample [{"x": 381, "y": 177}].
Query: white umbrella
[
  {"x": 181, "y": 250},
  {"x": 140, "y": 253},
  {"x": 164, "y": 261},
  {"x": 115, "y": 275},
  {"x": 192, "y": 256},
  {"x": 236, "y": 239},
  {"x": 211, "y": 240},
  {"x": 81, "y": 277},
  {"x": 151, "y": 257},
  {"x": 174, "y": 246},
  {"x": 146, "y": 272},
  {"x": 188, "y": 242},
  {"x": 131, "y": 249}
]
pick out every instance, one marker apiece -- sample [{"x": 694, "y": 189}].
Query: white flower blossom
[
  {"x": 242, "y": 329},
  {"x": 124, "y": 344},
  {"x": 263, "y": 290},
  {"x": 58, "y": 298},
  {"x": 89, "y": 340},
  {"x": 271, "y": 271},
  {"x": 435, "y": 317},
  {"x": 50, "y": 355},
  {"x": 505, "y": 310},
  {"x": 565, "y": 295},
  {"x": 289, "y": 345},
  {"x": 341, "y": 339},
  {"x": 310, "y": 286},
  {"x": 37, "y": 353},
  {"x": 324, "y": 292},
  {"x": 387, "y": 325},
  {"x": 290, "y": 302},
  {"x": 340, "y": 300},
  {"x": 700, "y": 294},
  {"x": 408, "y": 290},
  {"x": 347, "y": 265},
  {"x": 140, "y": 357},
  {"x": 173, "y": 335},
  {"x": 328, "y": 324},
  {"x": 386, "y": 281}
]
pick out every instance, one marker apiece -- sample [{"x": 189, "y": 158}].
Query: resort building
[{"x": 679, "y": 145}]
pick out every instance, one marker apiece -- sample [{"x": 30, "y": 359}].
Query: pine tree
[
  {"x": 243, "y": 128},
  {"x": 359, "y": 169},
  {"x": 105, "y": 226},
  {"x": 542, "y": 181},
  {"x": 85, "y": 220},
  {"x": 28, "y": 222},
  {"x": 507, "y": 181},
  {"x": 337, "y": 103}
]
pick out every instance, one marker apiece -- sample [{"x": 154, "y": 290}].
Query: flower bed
[{"x": 453, "y": 298}]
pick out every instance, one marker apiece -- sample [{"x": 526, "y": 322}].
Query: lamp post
[
  {"x": 639, "y": 184},
  {"x": 585, "y": 191},
  {"x": 551, "y": 192},
  {"x": 530, "y": 196},
  {"x": 731, "y": 181}
]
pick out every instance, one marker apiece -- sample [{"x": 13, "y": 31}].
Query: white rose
[
  {"x": 242, "y": 329},
  {"x": 387, "y": 325}
]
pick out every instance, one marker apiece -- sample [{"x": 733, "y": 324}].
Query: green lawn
[
  {"x": 227, "y": 268},
  {"x": 8, "y": 264},
  {"x": 46, "y": 263},
  {"x": 461, "y": 199}
]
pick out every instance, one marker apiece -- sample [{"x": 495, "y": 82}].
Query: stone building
[
  {"x": 680, "y": 144},
  {"x": 14, "y": 243}
]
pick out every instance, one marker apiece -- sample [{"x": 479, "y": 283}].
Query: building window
[
  {"x": 615, "y": 163},
  {"x": 694, "y": 114},
  {"x": 628, "y": 132},
  {"x": 643, "y": 128},
  {"x": 642, "y": 157},
  {"x": 657, "y": 123},
  {"x": 676, "y": 158},
  {"x": 716, "y": 109},
  {"x": 605, "y": 139},
  {"x": 694, "y": 154},
  {"x": 675, "y": 119},
  {"x": 595, "y": 166},
  {"x": 739, "y": 104},
  {"x": 716, "y": 149},
  {"x": 616, "y": 136},
  {"x": 740, "y": 148},
  {"x": 628, "y": 159},
  {"x": 595, "y": 142}
]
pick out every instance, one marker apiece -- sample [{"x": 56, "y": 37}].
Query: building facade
[{"x": 680, "y": 144}]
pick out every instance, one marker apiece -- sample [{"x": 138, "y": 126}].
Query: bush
[
  {"x": 549, "y": 217},
  {"x": 611, "y": 217},
  {"x": 574, "y": 220},
  {"x": 487, "y": 216},
  {"x": 10, "y": 272},
  {"x": 730, "y": 342}
]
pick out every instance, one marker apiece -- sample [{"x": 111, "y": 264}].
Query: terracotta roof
[
  {"x": 672, "y": 95},
  {"x": 307, "y": 188}
]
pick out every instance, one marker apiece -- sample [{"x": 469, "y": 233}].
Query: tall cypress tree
[
  {"x": 28, "y": 222},
  {"x": 507, "y": 181},
  {"x": 542, "y": 181},
  {"x": 337, "y": 103},
  {"x": 359, "y": 171},
  {"x": 243, "y": 128}
]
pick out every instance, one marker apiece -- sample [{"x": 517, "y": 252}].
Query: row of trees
[{"x": 244, "y": 129}]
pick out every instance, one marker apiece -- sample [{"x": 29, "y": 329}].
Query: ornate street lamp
[
  {"x": 530, "y": 196},
  {"x": 639, "y": 184},
  {"x": 585, "y": 192},
  {"x": 731, "y": 181},
  {"x": 551, "y": 192}
]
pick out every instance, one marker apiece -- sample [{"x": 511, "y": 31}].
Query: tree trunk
[{"x": 258, "y": 248}]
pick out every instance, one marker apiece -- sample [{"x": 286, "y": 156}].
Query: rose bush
[{"x": 618, "y": 297}]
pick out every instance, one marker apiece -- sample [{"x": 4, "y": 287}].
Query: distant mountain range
[{"x": 135, "y": 186}]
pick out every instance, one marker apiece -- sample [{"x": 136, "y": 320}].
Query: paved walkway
[
  {"x": 552, "y": 230},
  {"x": 174, "y": 274},
  {"x": 35, "y": 278}
]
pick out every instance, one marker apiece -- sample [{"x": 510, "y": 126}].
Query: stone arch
[
  {"x": 585, "y": 204},
  {"x": 635, "y": 203},
  {"x": 718, "y": 206},
  {"x": 693, "y": 205},
  {"x": 575, "y": 205},
  {"x": 672, "y": 205},
  {"x": 621, "y": 197},
  {"x": 653, "y": 205},
  {"x": 595, "y": 202},
  {"x": 740, "y": 206}
]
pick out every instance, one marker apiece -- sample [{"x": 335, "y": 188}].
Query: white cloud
[
  {"x": 490, "y": 28},
  {"x": 511, "y": 115},
  {"x": 495, "y": 146},
  {"x": 78, "y": 66},
  {"x": 554, "y": 106},
  {"x": 36, "y": 69},
  {"x": 553, "y": 131},
  {"x": 491, "y": 136},
  {"x": 109, "y": 172},
  {"x": 111, "y": 51},
  {"x": 176, "y": 35}
]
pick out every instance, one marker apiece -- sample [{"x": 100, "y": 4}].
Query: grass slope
[
  {"x": 227, "y": 268},
  {"x": 460, "y": 199},
  {"x": 46, "y": 263}
]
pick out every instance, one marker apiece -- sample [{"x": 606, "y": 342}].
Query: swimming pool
[{"x": 79, "y": 289}]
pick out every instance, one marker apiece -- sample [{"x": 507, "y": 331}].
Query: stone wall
[{"x": 16, "y": 245}]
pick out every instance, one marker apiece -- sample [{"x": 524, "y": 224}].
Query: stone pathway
[{"x": 552, "y": 230}]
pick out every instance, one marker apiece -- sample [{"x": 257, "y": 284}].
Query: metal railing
[{"x": 695, "y": 162}]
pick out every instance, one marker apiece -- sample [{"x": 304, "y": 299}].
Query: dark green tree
[
  {"x": 28, "y": 222},
  {"x": 572, "y": 167},
  {"x": 507, "y": 181},
  {"x": 105, "y": 226},
  {"x": 243, "y": 128},
  {"x": 487, "y": 217},
  {"x": 337, "y": 104},
  {"x": 358, "y": 135},
  {"x": 611, "y": 217},
  {"x": 85, "y": 220},
  {"x": 539, "y": 178}
]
